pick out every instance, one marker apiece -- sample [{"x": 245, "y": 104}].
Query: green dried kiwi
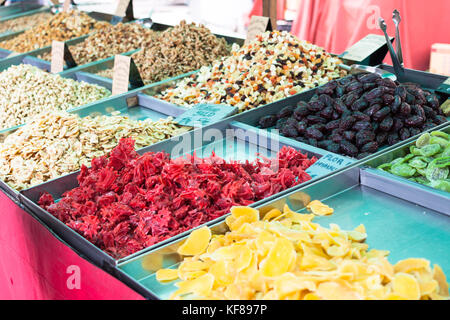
[
  {"x": 422, "y": 171},
  {"x": 418, "y": 162},
  {"x": 422, "y": 180},
  {"x": 440, "y": 141},
  {"x": 397, "y": 161},
  {"x": 441, "y": 134},
  {"x": 430, "y": 150},
  {"x": 443, "y": 185},
  {"x": 434, "y": 173},
  {"x": 446, "y": 152},
  {"x": 423, "y": 140},
  {"x": 384, "y": 166},
  {"x": 403, "y": 170},
  {"x": 442, "y": 162},
  {"x": 415, "y": 151}
]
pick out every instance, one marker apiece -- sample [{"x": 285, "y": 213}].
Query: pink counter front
[{"x": 35, "y": 264}]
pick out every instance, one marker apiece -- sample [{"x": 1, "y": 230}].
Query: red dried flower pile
[{"x": 127, "y": 202}]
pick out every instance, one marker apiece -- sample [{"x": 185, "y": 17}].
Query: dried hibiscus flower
[{"x": 127, "y": 202}]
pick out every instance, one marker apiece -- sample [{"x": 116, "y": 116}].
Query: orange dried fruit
[
  {"x": 319, "y": 208},
  {"x": 406, "y": 286},
  {"x": 196, "y": 243},
  {"x": 166, "y": 275},
  {"x": 410, "y": 264},
  {"x": 279, "y": 258},
  {"x": 439, "y": 276}
]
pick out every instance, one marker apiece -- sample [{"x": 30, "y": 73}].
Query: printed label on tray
[
  {"x": 364, "y": 47},
  {"x": 328, "y": 163},
  {"x": 257, "y": 26},
  {"x": 444, "y": 86},
  {"x": 205, "y": 114},
  {"x": 60, "y": 54},
  {"x": 57, "y": 63},
  {"x": 125, "y": 72},
  {"x": 122, "y": 7},
  {"x": 66, "y": 5}
]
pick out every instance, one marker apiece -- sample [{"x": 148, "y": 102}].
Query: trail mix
[
  {"x": 183, "y": 48},
  {"x": 109, "y": 41},
  {"x": 273, "y": 66},
  {"x": 57, "y": 143},
  {"x": 26, "y": 91},
  {"x": 357, "y": 115},
  {"x": 428, "y": 161},
  {"x": 62, "y": 26},
  {"x": 24, "y": 22},
  {"x": 286, "y": 256},
  {"x": 126, "y": 202}
]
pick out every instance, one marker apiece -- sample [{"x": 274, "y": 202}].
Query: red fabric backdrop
[{"x": 338, "y": 24}]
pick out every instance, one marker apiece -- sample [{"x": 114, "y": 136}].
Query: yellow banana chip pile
[{"x": 287, "y": 256}]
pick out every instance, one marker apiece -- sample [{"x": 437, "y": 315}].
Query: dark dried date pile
[{"x": 358, "y": 114}]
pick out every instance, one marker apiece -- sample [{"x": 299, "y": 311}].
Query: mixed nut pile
[
  {"x": 183, "y": 48},
  {"x": 24, "y": 22},
  {"x": 109, "y": 41},
  {"x": 62, "y": 26},
  {"x": 273, "y": 66},
  {"x": 26, "y": 91},
  {"x": 57, "y": 143},
  {"x": 356, "y": 115}
]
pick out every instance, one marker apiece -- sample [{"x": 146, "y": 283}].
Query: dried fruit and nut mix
[
  {"x": 177, "y": 50},
  {"x": 57, "y": 143},
  {"x": 62, "y": 26},
  {"x": 272, "y": 67},
  {"x": 285, "y": 255},
  {"x": 109, "y": 41},
  {"x": 357, "y": 115},
  {"x": 24, "y": 22},
  {"x": 126, "y": 202},
  {"x": 428, "y": 161},
  {"x": 26, "y": 91}
]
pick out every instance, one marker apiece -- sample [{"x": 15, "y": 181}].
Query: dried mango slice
[
  {"x": 166, "y": 275},
  {"x": 406, "y": 286},
  {"x": 200, "y": 286},
  {"x": 271, "y": 214},
  {"x": 332, "y": 290},
  {"x": 408, "y": 265},
  {"x": 222, "y": 273},
  {"x": 242, "y": 215},
  {"x": 439, "y": 276},
  {"x": 311, "y": 296},
  {"x": 196, "y": 243},
  {"x": 287, "y": 256},
  {"x": 318, "y": 208},
  {"x": 279, "y": 258}
]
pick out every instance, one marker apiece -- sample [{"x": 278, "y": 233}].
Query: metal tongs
[
  {"x": 397, "y": 57},
  {"x": 358, "y": 68}
]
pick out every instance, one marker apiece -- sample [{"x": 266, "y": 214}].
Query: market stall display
[
  {"x": 26, "y": 91},
  {"x": 126, "y": 202},
  {"x": 428, "y": 161},
  {"x": 232, "y": 208},
  {"x": 273, "y": 66},
  {"x": 25, "y": 22},
  {"x": 62, "y": 26},
  {"x": 56, "y": 143},
  {"x": 285, "y": 255},
  {"x": 180, "y": 49},
  {"x": 109, "y": 41},
  {"x": 357, "y": 115}
]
